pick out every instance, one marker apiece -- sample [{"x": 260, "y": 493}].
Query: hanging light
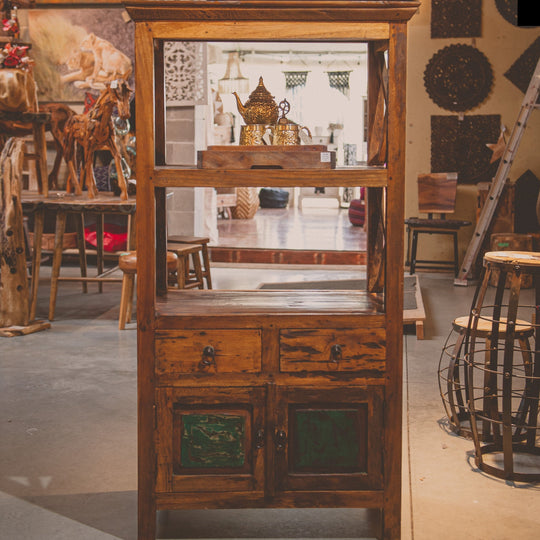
[{"x": 233, "y": 81}]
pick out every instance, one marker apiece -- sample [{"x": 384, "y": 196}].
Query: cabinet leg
[
  {"x": 391, "y": 523},
  {"x": 146, "y": 518}
]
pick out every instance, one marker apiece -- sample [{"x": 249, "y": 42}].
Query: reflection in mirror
[
  {"x": 324, "y": 85},
  {"x": 214, "y": 89}
]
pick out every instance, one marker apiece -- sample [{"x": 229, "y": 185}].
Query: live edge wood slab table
[{"x": 272, "y": 398}]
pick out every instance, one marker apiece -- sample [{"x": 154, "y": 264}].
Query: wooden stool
[
  {"x": 503, "y": 393},
  {"x": 188, "y": 278},
  {"x": 172, "y": 241},
  {"x": 453, "y": 377},
  {"x": 127, "y": 262}
]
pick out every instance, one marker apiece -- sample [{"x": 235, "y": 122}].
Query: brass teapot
[{"x": 260, "y": 108}]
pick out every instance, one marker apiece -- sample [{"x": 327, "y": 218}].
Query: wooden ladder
[{"x": 499, "y": 180}]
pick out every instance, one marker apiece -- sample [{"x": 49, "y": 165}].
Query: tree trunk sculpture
[{"x": 14, "y": 308}]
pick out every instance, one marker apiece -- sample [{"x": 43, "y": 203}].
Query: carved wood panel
[{"x": 185, "y": 73}]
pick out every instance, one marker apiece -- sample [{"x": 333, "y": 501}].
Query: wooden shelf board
[
  {"x": 262, "y": 303},
  {"x": 170, "y": 176}
]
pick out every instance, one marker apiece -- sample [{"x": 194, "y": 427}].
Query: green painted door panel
[
  {"x": 329, "y": 440},
  {"x": 213, "y": 441}
]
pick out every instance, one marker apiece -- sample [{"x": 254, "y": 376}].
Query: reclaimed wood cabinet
[{"x": 269, "y": 398}]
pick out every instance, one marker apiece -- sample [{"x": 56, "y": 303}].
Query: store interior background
[
  {"x": 69, "y": 395},
  {"x": 191, "y": 120}
]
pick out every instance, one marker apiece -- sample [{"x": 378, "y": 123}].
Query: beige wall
[{"x": 502, "y": 43}]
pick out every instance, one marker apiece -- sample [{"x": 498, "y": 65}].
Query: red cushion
[
  {"x": 114, "y": 237},
  {"x": 357, "y": 212}
]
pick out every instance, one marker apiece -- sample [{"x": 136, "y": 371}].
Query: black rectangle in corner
[{"x": 528, "y": 13}]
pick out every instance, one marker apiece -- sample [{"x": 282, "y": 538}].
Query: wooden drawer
[
  {"x": 208, "y": 351},
  {"x": 331, "y": 349}
]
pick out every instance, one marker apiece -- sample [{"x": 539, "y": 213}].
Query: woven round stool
[
  {"x": 453, "y": 374},
  {"x": 504, "y": 392},
  {"x": 127, "y": 262}
]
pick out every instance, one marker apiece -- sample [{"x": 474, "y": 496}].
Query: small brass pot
[
  {"x": 253, "y": 134},
  {"x": 287, "y": 134}
]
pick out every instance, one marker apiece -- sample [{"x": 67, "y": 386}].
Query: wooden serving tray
[{"x": 312, "y": 156}]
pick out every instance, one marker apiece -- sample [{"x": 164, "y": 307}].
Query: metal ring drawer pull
[
  {"x": 208, "y": 357},
  {"x": 336, "y": 353}
]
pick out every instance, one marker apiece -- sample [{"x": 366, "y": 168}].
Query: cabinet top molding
[{"x": 272, "y": 10}]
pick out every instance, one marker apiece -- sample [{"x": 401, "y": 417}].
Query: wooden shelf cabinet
[{"x": 252, "y": 399}]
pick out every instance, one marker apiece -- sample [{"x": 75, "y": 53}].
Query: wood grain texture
[
  {"x": 256, "y": 157},
  {"x": 314, "y": 349},
  {"x": 368, "y": 324},
  {"x": 394, "y": 279},
  {"x": 297, "y": 499},
  {"x": 192, "y": 177},
  {"x": 235, "y": 351},
  {"x": 220, "y": 304},
  {"x": 14, "y": 305},
  {"x": 146, "y": 284},
  {"x": 376, "y": 260},
  {"x": 276, "y": 10},
  {"x": 377, "y": 103},
  {"x": 437, "y": 192}
]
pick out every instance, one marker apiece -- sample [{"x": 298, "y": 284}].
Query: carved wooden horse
[{"x": 95, "y": 131}]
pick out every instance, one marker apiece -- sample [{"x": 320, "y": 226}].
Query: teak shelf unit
[{"x": 268, "y": 398}]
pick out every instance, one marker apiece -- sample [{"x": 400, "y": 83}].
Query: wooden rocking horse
[{"x": 94, "y": 131}]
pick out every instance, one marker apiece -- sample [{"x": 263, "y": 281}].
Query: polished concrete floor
[
  {"x": 315, "y": 226},
  {"x": 68, "y": 434}
]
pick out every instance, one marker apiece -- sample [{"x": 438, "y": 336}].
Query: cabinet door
[
  {"x": 329, "y": 439},
  {"x": 210, "y": 439}
]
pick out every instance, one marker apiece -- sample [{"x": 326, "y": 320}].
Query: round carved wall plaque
[
  {"x": 458, "y": 77},
  {"x": 509, "y": 10}
]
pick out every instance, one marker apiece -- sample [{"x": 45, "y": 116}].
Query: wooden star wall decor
[
  {"x": 499, "y": 147},
  {"x": 456, "y": 18},
  {"x": 460, "y": 145}
]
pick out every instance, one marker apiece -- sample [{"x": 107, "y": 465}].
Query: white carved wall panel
[{"x": 185, "y": 73}]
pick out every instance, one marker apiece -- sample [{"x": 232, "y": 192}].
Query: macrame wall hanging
[
  {"x": 340, "y": 81},
  {"x": 295, "y": 79},
  {"x": 456, "y": 18},
  {"x": 459, "y": 145},
  {"x": 458, "y": 77},
  {"x": 521, "y": 71}
]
